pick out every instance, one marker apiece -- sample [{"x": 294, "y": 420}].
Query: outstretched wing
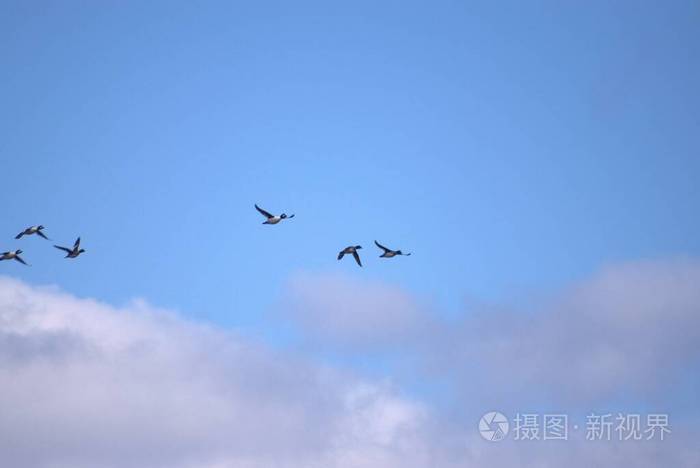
[
  {"x": 357, "y": 258},
  {"x": 19, "y": 236},
  {"x": 65, "y": 249},
  {"x": 263, "y": 212},
  {"x": 382, "y": 247},
  {"x": 340, "y": 255},
  {"x": 19, "y": 259},
  {"x": 42, "y": 235},
  {"x": 77, "y": 243}
]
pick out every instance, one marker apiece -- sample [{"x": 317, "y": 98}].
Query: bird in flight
[
  {"x": 32, "y": 230},
  {"x": 74, "y": 252},
  {"x": 388, "y": 253},
  {"x": 351, "y": 250},
  {"x": 13, "y": 256},
  {"x": 272, "y": 219}
]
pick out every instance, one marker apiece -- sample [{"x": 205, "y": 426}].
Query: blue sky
[
  {"x": 516, "y": 148},
  {"x": 512, "y": 147}
]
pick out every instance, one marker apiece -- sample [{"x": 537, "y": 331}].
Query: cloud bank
[
  {"x": 85, "y": 384},
  {"x": 632, "y": 328},
  {"x": 630, "y": 331}
]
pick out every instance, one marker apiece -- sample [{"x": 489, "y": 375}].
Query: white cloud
[
  {"x": 631, "y": 329},
  {"x": 84, "y": 384},
  {"x": 346, "y": 313}
]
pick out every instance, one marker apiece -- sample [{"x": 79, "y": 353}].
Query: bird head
[
  {"x": 40, "y": 227},
  {"x": 17, "y": 252},
  {"x": 358, "y": 247}
]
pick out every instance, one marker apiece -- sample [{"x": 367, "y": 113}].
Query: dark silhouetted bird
[
  {"x": 272, "y": 219},
  {"x": 388, "y": 253},
  {"x": 13, "y": 256},
  {"x": 32, "y": 230},
  {"x": 351, "y": 250},
  {"x": 74, "y": 252}
]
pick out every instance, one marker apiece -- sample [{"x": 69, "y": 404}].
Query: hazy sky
[{"x": 517, "y": 149}]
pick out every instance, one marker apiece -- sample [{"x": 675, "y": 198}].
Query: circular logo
[{"x": 493, "y": 426}]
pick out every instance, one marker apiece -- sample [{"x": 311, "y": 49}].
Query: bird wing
[
  {"x": 19, "y": 259},
  {"x": 65, "y": 249},
  {"x": 42, "y": 235},
  {"x": 77, "y": 243},
  {"x": 263, "y": 212},
  {"x": 340, "y": 255},
  {"x": 19, "y": 236},
  {"x": 357, "y": 258},
  {"x": 382, "y": 247}
]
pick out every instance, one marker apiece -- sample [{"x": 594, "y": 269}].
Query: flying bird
[
  {"x": 272, "y": 219},
  {"x": 32, "y": 230},
  {"x": 388, "y": 253},
  {"x": 74, "y": 252},
  {"x": 351, "y": 250},
  {"x": 13, "y": 256}
]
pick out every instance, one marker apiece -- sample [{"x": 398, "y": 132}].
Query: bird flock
[
  {"x": 76, "y": 250},
  {"x": 349, "y": 250},
  {"x": 38, "y": 230}
]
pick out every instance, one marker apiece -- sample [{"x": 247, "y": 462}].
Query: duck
[
  {"x": 388, "y": 253},
  {"x": 32, "y": 230},
  {"x": 13, "y": 255},
  {"x": 272, "y": 219},
  {"x": 351, "y": 250},
  {"x": 74, "y": 252}
]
